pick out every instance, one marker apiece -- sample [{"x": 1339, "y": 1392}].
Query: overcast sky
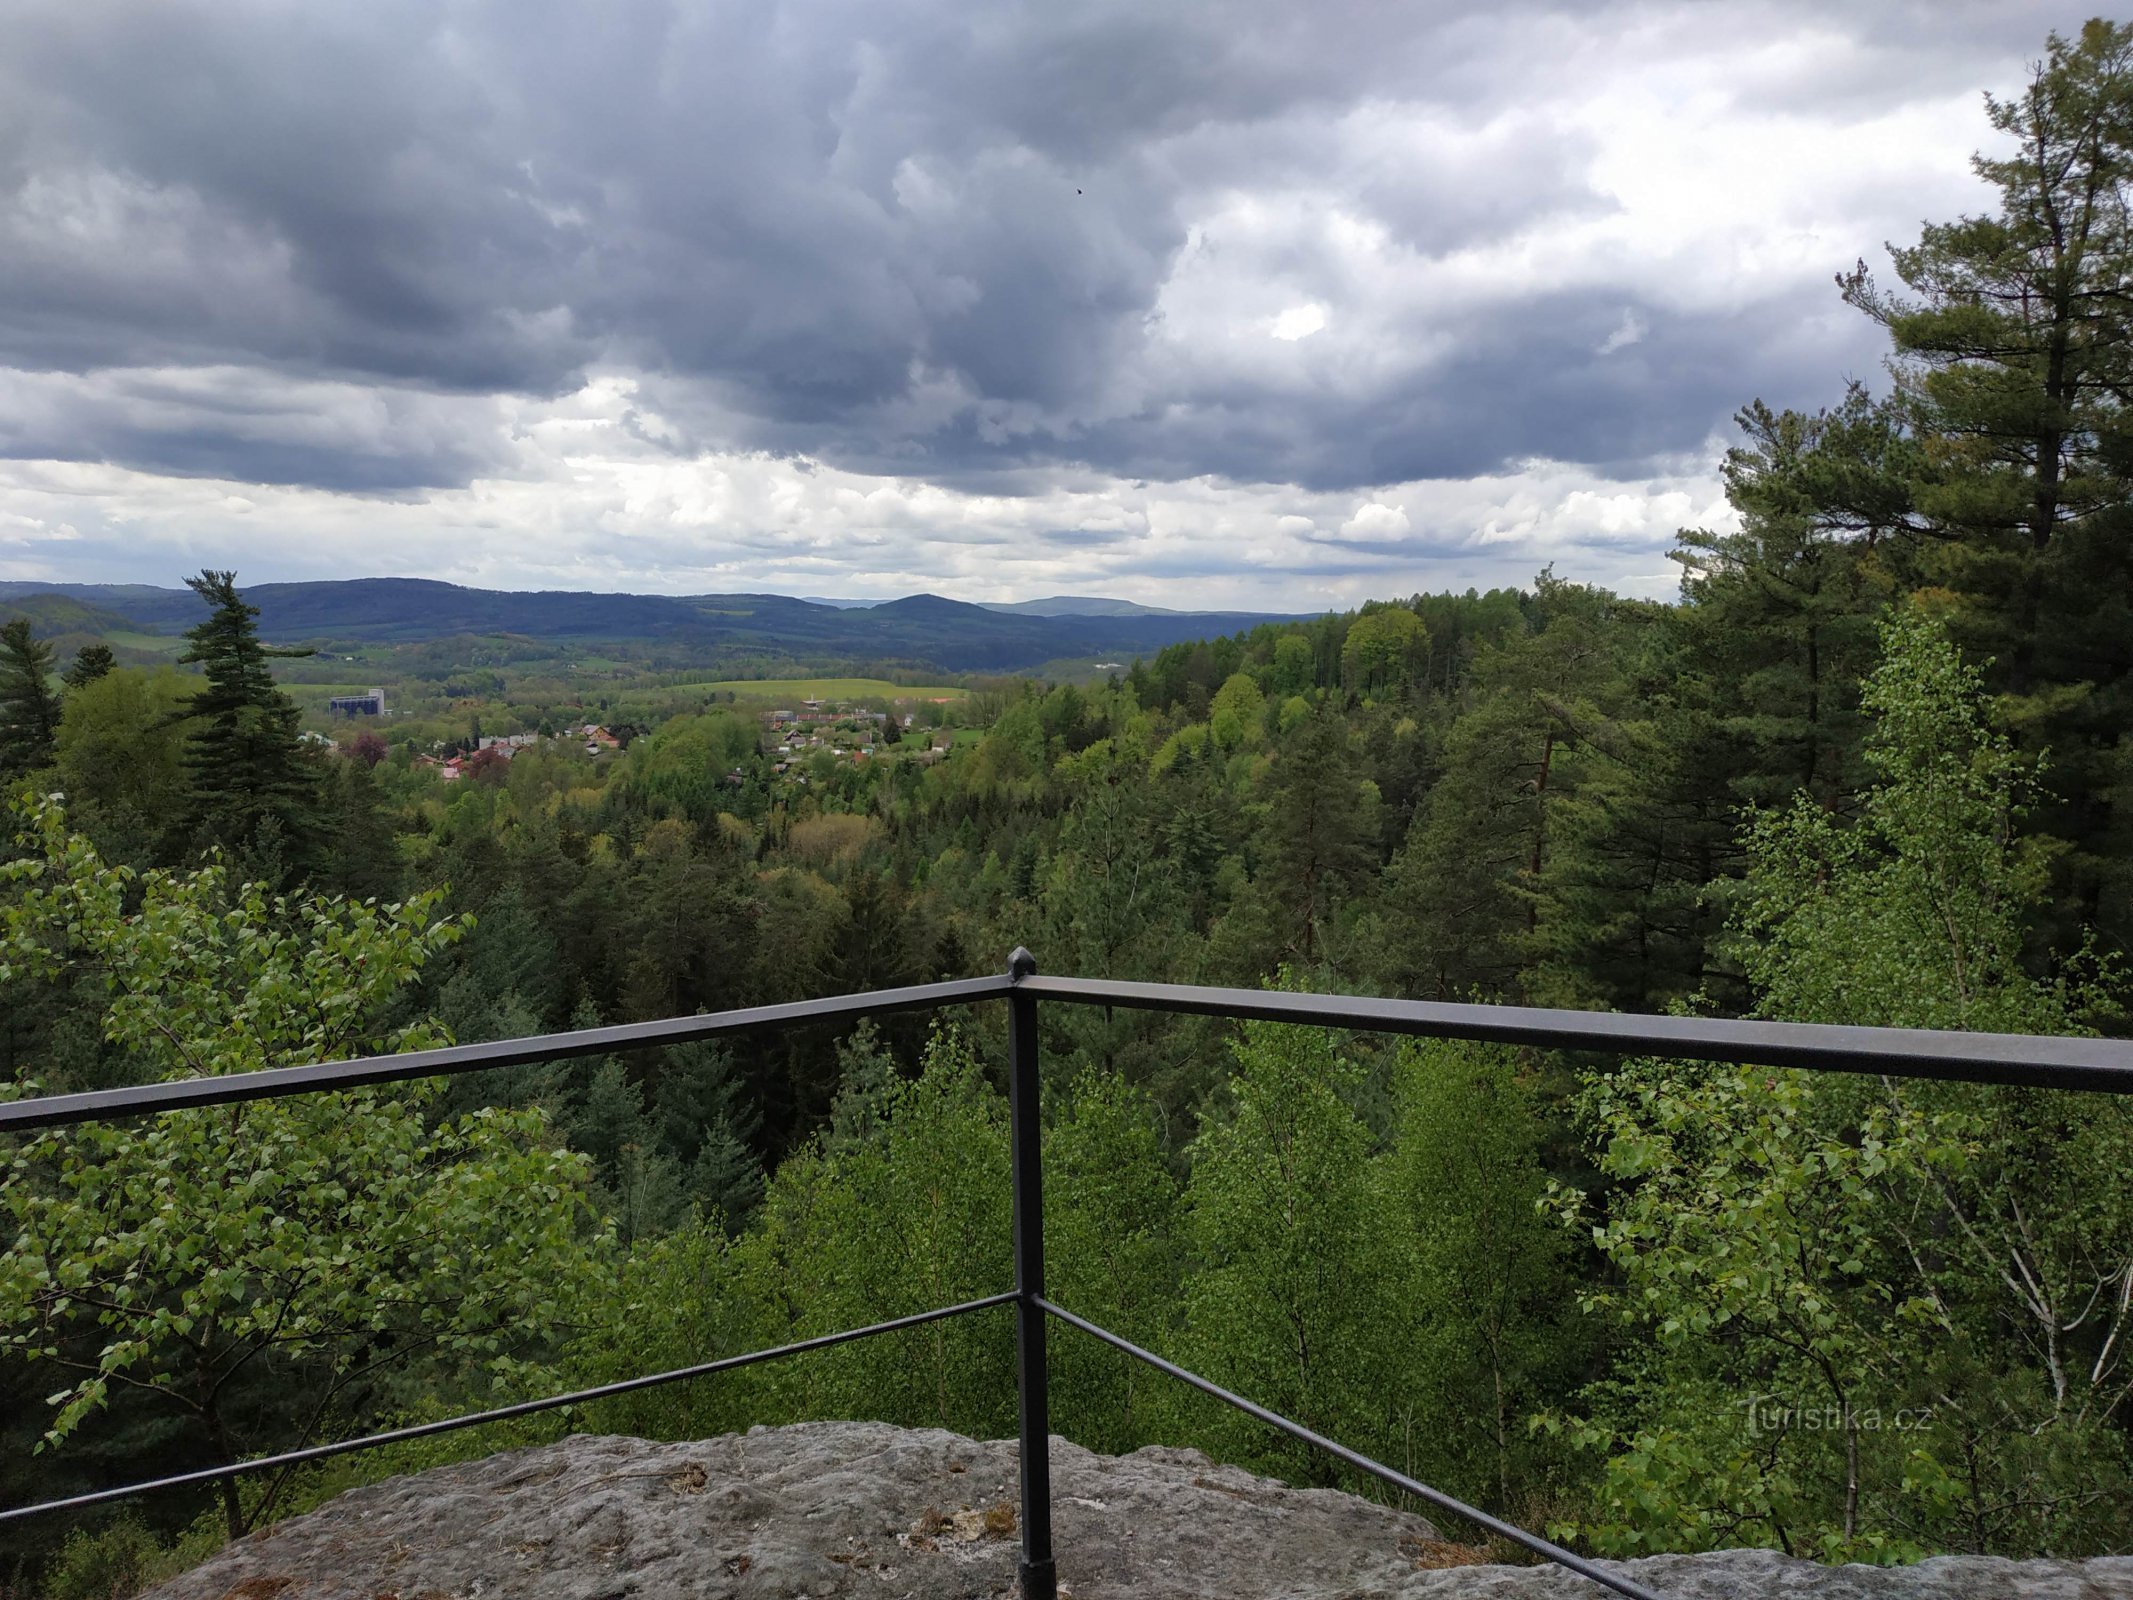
[{"x": 1262, "y": 303}]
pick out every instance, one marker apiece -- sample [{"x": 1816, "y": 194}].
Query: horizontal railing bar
[
  {"x": 2025, "y": 1060},
  {"x": 474, "y": 1419},
  {"x": 58, "y": 1110},
  {"x": 1362, "y": 1463},
  {"x": 2033, "y": 1061}
]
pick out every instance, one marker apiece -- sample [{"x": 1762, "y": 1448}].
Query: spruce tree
[
  {"x": 91, "y": 662},
  {"x": 1319, "y": 838},
  {"x": 29, "y": 711},
  {"x": 251, "y": 786},
  {"x": 709, "y": 1124}
]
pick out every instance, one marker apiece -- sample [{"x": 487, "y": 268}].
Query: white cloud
[
  {"x": 1376, "y": 520},
  {"x": 1298, "y": 322}
]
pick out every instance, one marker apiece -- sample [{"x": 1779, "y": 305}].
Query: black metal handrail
[
  {"x": 92, "y": 1105},
  {"x": 2016, "y": 1059},
  {"x": 2025, "y": 1060},
  {"x": 520, "y": 1408}
]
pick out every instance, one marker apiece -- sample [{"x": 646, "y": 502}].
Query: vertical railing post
[{"x": 1040, "y": 1578}]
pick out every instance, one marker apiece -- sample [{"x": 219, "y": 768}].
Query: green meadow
[{"x": 795, "y": 689}]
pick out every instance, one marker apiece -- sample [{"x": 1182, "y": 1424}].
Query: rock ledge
[{"x": 830, "y": 1510}]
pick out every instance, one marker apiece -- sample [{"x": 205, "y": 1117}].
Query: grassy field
[
  {"x": 783, "y": 690},
  {"x": 161, "y": 644}
]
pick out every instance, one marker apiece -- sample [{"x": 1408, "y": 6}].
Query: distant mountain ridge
[
  {"x": 1081, "y": 605},
  {"x": 1058, "y": 605},
  {"x": 922, "y": 628}
]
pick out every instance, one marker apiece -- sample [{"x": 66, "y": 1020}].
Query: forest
[{"x": 1872, "y": 766}]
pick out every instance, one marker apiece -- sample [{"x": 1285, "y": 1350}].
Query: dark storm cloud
[
  {"x": 219, "y": 185},
  {"x": 1538, "y": 385},
  {"x": 243, "y": 424},
  {"x": 914, "y": 237}
]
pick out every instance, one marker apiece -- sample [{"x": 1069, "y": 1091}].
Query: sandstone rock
[{"x": 824, "y": 1511}]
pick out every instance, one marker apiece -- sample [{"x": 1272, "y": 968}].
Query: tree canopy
[
  {"x": 1873, "y": 767},
  {"x": 200, "y": 1257}
]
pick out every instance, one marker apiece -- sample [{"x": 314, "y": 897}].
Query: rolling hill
[
  {"x": 1080, "y": 605},
  {"x": 922, "y": 629}
]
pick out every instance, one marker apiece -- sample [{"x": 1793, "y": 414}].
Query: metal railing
[{"x": 2100, "y": 1065}]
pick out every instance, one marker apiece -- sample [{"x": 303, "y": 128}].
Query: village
[
  {"x": 791, "y": 739},
  {"x": 496, "y": 750},
  {"x": 845, "y": 732}
]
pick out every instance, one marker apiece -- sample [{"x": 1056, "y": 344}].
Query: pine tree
[
  {"x": 1477, "y": 889},
  {"x": 29, "y": 711},
  {"x": 250, "y": 782},
  {"x": 1778, "y": 618},
  {"x": 1455, "y": 921},
  {"x": 1746, "y": 693},
  {"x": 2012, "y": 367},
  {"x": 2012, "y": 355},
  {"x": 635, "y": 1181}
]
